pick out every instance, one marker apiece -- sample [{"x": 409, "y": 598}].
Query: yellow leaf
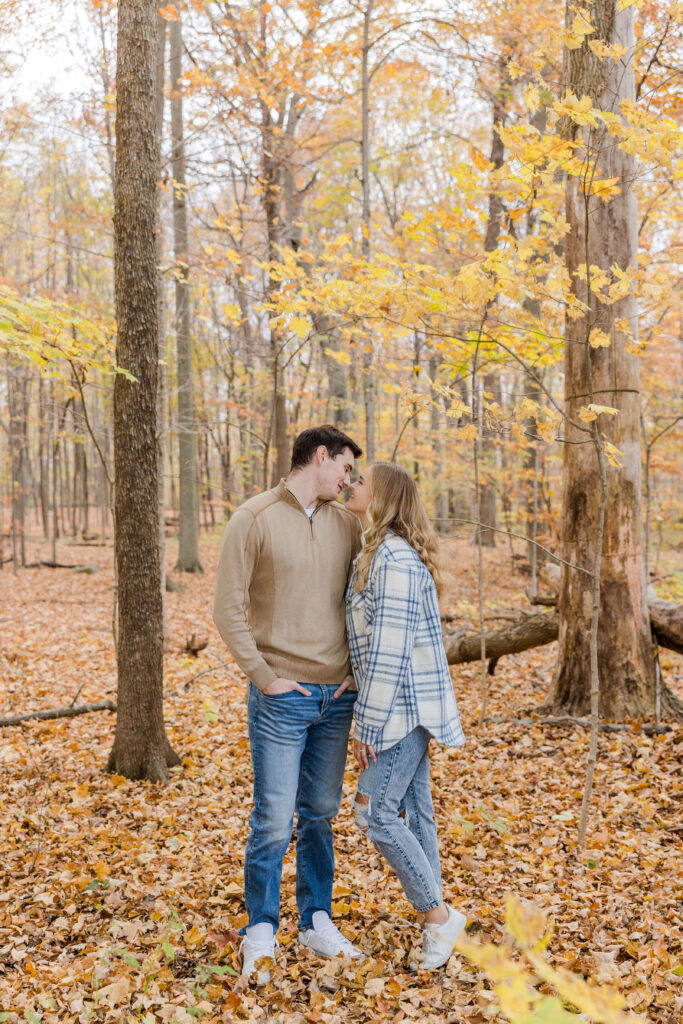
[
  {"x": 195, "y": 936},
  {"x": 169, "y": 13},
  {"x": 546, "y": 430},
  {"x": 232, "y": 312},
  {"x": 578, "y": 110},
  {"x": 582, "y": 25},
  {"x": 300, "y": 326},
  {"x": 532, "y": 99},
  {"x": 339, "y": 357},
  {"x": 468, "y": 433},
  {"x": 598, "y": 339},
  {"x": 588, "y": 413},
  {"x": 479, "y": 160}
]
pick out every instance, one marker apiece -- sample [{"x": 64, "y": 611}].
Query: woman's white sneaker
[
  {"x": 326, "y": 939},
  {"x": 258, "y": 958},
  {"x": 438, "y": 940}
]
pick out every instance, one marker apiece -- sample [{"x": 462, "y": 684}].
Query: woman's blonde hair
[{"x": 395, "y": 505}]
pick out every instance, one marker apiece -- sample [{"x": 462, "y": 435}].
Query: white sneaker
[
  {"x": 438, "y": 940},
  {"x": 327, "y": 940},
  {"x": 255, "y": 957}
]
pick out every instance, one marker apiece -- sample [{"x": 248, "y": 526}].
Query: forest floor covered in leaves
[{"x": 119, "y": 900}]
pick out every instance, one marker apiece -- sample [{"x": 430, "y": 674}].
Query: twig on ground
[{"x": 52, "y": 713}]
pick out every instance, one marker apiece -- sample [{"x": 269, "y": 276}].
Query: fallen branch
[
  {"x": 530, "y": 631},
  {"x": 50, "y": 713},
  {"x": 541, "y": 628},
  {"x": 649, "y": 728}
]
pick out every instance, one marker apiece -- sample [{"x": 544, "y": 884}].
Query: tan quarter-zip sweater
[{"x": 279, "y": 601}]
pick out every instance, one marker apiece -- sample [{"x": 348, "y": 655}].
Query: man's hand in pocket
[
  {"x": 348, "y": 684},
  {"x": 284, "y": 686}
]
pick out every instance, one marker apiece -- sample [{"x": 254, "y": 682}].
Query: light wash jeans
[
  {"x": 298, "y": 752},
  {"x": 398, "y": 780}
]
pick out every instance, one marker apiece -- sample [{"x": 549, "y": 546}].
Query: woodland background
[{"x": 372, "y": 214}]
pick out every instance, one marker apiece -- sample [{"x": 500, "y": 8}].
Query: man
[{"x": 279, "y": 607}]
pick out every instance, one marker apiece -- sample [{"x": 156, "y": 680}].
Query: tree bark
[
  {"x": 188, "y": 485},
  {"x": 159, "y": 80},
  {"x": 603, "y": 234},
  {"x": 141, "y": 749},
  {"x": 369, "y": 386}
]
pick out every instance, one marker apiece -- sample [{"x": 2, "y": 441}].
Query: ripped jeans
[{"x": 399, "y": 780}]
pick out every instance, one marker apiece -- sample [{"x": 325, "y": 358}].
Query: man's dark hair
[{"x": 309, "y": 440}]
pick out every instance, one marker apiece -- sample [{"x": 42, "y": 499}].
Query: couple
[{"x": 302, "y": 581}]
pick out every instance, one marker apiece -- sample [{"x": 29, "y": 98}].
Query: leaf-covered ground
[{"x": 119, "y": 901}]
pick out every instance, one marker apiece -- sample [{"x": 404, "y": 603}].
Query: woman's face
[{"x": 359, "y": 499}]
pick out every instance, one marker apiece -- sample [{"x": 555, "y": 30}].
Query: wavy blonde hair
[{"x": 395, "y": 505}]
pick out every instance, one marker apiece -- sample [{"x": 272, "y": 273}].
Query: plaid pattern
[{"x": 397, "y": 652}]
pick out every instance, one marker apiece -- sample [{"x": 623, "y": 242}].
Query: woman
[{"x": 405, "y": 694}]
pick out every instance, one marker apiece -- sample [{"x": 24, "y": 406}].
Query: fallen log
[
  {"x": 51, "y": 713},
  {"x": 541, "y": 628},
  {"x": 529, "y": 631},
  {"x": 666, "y": 619}
]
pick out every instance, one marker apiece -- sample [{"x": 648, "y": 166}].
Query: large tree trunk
[
  {"x": 188, "y": 488},
  {"x": 603, "y": 234},
  {"x": 141, "y": 749},
  {"x": 161, "y": 332}
]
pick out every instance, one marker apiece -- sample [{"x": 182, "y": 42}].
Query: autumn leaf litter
[{"x": 120, "y": 901}]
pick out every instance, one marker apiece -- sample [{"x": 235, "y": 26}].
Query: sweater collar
[{"x": 283, "y": 492}]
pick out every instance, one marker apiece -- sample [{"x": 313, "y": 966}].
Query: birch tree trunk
[
  {"x": 141, "y": 749},
  {"x": 603, "y": 234}
]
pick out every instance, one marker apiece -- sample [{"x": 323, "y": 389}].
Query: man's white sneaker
[
  {"x": 327, "y": 940},
  {"x": 258, "y": 958},
  {"x": 438, "y": 940}
]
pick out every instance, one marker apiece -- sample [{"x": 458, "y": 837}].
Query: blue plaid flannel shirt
[{"x": 397, "y": 653}]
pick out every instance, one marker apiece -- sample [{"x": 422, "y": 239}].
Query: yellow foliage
[
  {"x": 599, "y": 339},
  {"x": 515, "y": 980},
  {"x": 588, "y": 413},
  {"x": 580, "y": 111}
]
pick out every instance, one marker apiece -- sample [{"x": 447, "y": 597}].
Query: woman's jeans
[
  {"x": 298, "y": 752},
  {"x": 399, "y": 780}
]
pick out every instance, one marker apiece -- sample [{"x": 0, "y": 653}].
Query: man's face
[{"x": 334, "y": 474}]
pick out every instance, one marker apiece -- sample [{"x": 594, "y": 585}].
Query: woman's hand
[{"x": 361, "y": 752}]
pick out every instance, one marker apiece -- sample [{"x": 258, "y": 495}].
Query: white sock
[
  {"x": 320, "y": 919},
  {"x": 262, "y": 932}
]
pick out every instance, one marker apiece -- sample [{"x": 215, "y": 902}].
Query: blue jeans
[
  {"x": 298, "y": 752},
  {"x": 397, "y": 780}
]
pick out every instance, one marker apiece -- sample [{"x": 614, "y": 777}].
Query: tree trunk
[
  {"x": 487, "y": 489},
  {"x": 188, "y": 485},
  {"x": 369, "y": 384},
  {"x": 603, "y": 234},
  {"x": 43, "y": 450},
  {"x": 161, "y": 332},
  {"x": 441, "y": 501},
  {"x": 141, "y": 749}
]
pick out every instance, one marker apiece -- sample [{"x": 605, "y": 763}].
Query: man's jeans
[
  {"x": 397, "y": 780},
  {"x": 298, "y": 752}
]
